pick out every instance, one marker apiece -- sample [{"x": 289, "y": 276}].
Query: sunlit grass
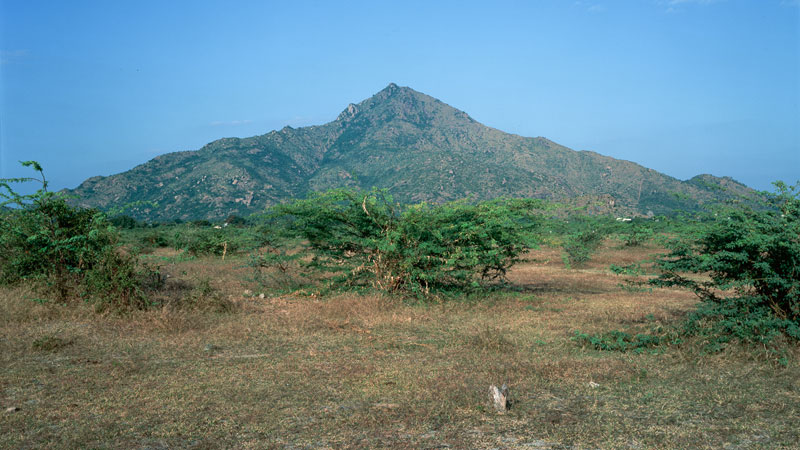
[{"x": 377, "y": 371}]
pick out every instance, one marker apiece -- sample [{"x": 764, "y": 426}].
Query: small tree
[{"x": 752, "y": 260}]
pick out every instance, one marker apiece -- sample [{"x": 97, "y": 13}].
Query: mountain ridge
[{"x": 416, "y": 146}]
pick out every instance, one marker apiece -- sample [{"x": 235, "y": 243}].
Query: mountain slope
[{"x": 418, "y": 147}]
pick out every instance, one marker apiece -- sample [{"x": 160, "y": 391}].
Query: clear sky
[{"x": 681, "y": 86}]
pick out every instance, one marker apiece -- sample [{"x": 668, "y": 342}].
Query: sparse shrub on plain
[
  {"x": 636, "y": 234},
  {"x": 124, "y": 222},
  {"x": 581, "y": 245},
  {"x": 752, "y": 260},
  {"x": 71, "y": 252},
  {"x": 364, "y": 238},
  {"x": 201, "y": 240},
  {"x": 745, "y": 266},
  {"x": 620, "y": 341},
  {"x": 629, "y": 269},
  {"x": 206, "y": 298},
  {"x": 155, "y": 238},
  {"x": 208, "y": 241},
  {"x": 236, "y": 221},
  {"x": 276, "y": 267}
]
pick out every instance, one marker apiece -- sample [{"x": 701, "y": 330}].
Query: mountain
[{"x": 418, "y": 147}]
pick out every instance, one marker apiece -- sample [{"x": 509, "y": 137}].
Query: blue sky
[{"x": 681, "y": 86}]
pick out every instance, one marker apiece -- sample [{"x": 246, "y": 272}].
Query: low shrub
[
  {"x": 636, "y": 234},
  {"x": 579, "y": 247},
  {"x": 275, "y": 267},
  {"x": 620, "y": 341},
  {"x": 206, "y": 298}
]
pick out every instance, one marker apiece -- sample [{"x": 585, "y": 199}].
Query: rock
[
  {"x": 499, "y": 397},
  {"x": 261, "y": 295},
  {"x": 12, "y": 409},
  {"x": 386, "y": 405}
]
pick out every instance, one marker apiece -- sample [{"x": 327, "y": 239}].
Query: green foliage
[
  {"x": 752, "y": 261},
  {"x": 386, "y": 141},
  {"x": 580, "y": 244},
  {"x": 631, "y": 283},
  {"x": 69, "y": 251},
  {"x": 745, "y": 318},
  {"x": 629, "y": 269},
  {"x": 205, "y": 240},
  {"x": 124, "y": 222},
  {"x": 117, "y": 279},
  {"x": 636, "y": 234},
  {"x": 620, "y": 341},
  {"x": 365, "y": 238},
  {"x": 276, "y": 266},
  {"x": 237, "y": 221},
  {"x": 155, "y": 238}
]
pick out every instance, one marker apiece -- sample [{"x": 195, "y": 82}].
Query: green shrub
[
  {"x": 124, "y": 222},
  {"x": 70, "y": 251},
  {"x": 364, "y": 238},
  {"x": 629, "y": 269},
  {"x": 213, "y": 240},
  {"x": 620, "y": 341},
  {"x": 200, "y": 241},
  {"x": 236, "y": 221},
  {"x": 276, "y": 267},
  {"x": 579, "y": 247},
  {"x": 751, "y": 258},
  {"x": 155, "y": 238},
  {"x": 118, "y": 279},
  {"x": 636, "y": 234}
]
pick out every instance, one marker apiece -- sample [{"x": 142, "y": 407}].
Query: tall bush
[
  {"x": 751, "y": 258},
  {"x": 69, "y": 251},
  {"x": 583, "y": 236},
  {"x": 364, "y": 237}
]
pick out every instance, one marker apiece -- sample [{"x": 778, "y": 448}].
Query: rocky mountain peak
[
  {"x": 348, "y": 112},
  {"x": 417, "y": 147}
]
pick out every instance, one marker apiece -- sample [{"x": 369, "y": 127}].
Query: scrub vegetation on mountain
[{"x": 416, "y": 147}]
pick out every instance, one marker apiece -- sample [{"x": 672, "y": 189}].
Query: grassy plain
[{"x": 377, "y": 371}]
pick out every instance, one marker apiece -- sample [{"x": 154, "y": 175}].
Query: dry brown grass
[{"x": 372, "y": 371}]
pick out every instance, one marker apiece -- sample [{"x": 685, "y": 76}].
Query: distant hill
[{"x": 418, "y": 147}]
